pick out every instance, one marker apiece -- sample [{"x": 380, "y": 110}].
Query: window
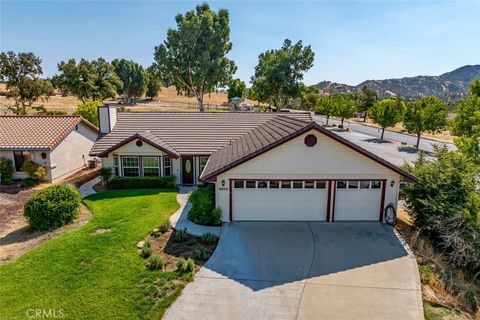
[
  {"x": 352, "y": 184},
  {"x": 321, "y": 184},
  {"x": 202, "y": 162},
  {"x": 341, "y": 185},
  {"x": 274, "y": 184},
  {"x": 167, "y": 166},
  {"x": 364, "y": 184},
  {"x": 116, "y": 165},
  {"x": 297, "y": 184},
  {"x": 238, "y": 184},
  {"x": 286, "y": 184},
  {"x": 262, "y": 184},
  {"x": 151, "y": 166},
  {"x": 376, "y": 184},
  {"x": 250, "y": 184},
  {"x": 20, "y": 157},
  {"x": 130, "y": 166},
  {"x": 309, "y": 184}
]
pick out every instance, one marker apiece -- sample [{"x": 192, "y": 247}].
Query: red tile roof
[{"x": 36, "y": 132}]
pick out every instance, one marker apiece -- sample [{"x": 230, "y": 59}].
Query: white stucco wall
[
  {"x": 328, "y": 159},
  {"x": 36, "y": 156},
  {"x": 71, "y": 154}
]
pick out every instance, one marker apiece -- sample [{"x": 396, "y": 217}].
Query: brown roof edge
[
  {"x": 131, "y": 138},
  {"x": 89, "y": 124},
  {"x": 408, "y": 177}
]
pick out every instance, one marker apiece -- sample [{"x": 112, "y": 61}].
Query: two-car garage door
[{"x": 305, "y": 200}]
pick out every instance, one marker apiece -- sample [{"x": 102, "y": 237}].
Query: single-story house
[
  {"x": 265, "y": 166},
  {"x": 59, "y": 143}
]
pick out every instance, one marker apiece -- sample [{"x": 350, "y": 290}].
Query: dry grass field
[{"x": 167, "y": 100}]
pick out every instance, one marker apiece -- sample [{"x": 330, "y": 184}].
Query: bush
[
  {"x": 165, "y": 226},
  {"x": 185, "y": 266},
  {"x": 52, "y": 207},
  {"x": 27, "y": 183},
  {"x": 200, "y": 253},
  {"x": 180, "y": 235},
  {"x": 208, "y": 238},
  {"x": 6, "y": 170},
  {"x": 106, "y": 174},
  {"x": 146, "y": 249},
  {"x": 34, "y": 170},
  {"x": 155, "y": 262},
  {"x": 203, "y": 209},
  {"x": 141, "y": 182}
]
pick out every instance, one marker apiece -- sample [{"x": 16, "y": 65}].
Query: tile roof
[
  {"x": 191, "y": 133},
  {"x": 36, "y": 132},
  {"x": 271, "y": 134}
]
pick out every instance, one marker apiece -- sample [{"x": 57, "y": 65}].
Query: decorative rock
[{"x": 140, "y": 244}]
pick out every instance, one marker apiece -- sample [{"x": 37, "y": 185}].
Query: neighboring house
[
  {"x": 266, "y": 166},
  {"x": 59, "y": 143}
]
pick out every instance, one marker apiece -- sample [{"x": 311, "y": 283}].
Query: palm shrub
[
  {"x": 6, "y": 170},
  {"x": 52, "y": 207},
  {"x": 203, "y": 209}
]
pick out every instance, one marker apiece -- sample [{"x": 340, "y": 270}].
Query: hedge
[
  {"x": 52, "y": 207},
  {"x": 141, "y": 182},
  {"x": 203, "y": 209}
]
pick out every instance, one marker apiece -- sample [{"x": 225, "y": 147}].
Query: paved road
[
  {"x": 304, "y": 270},
  {"x": 425, "y": 144}
]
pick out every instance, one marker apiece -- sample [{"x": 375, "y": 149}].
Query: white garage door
[
  {"x": 357, "y": 200},
  {"x": 279, "y": 200}
]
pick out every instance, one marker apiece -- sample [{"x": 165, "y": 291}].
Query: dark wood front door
[{"x": 187, "y": 170}]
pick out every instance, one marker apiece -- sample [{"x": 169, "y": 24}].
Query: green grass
[
  {"x": 432, "y": 312},
  {"x": 99, "y": 276}
]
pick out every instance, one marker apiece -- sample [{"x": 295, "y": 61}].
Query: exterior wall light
[
  {"x": 43, "y": 155},
  {"x": 223, "y": 183},
  {"x": 392, "y": 183}
]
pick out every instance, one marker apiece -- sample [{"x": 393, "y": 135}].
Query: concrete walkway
[
  {"x": 304, "y": 270},
  {"x": 86, "y": 189},
  {"x": 179, "y": 219}
]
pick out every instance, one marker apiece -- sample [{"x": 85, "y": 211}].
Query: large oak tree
[
  {"x": 134, "y": 78},
  {"x": 193, "y": 57}
]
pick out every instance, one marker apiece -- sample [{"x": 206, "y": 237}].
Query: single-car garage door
[
  {"x": 357, "y": 200},
  {"x": 274, "y": 200}
]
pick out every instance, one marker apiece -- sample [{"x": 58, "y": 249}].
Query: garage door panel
[
  {"x": 357, "y": 204},
  {"x": 279, "y": 204}
]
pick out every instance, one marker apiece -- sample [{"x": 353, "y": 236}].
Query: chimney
[{"x": 107, "y": 117}]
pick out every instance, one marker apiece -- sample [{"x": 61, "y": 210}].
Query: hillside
[{"x": 449, "y": 86}]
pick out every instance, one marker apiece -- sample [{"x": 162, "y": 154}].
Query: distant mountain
[{"x": 449, "y": 86}]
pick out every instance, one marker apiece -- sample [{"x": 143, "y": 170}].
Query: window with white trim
[
  {"x": 151, "y": 166},
  {"x": 238, "y": 184},
  {"x": 130, "y": 166},
  {"x": 21, "y": 157},
  {"x": 202, "y": 161},
  {"x": 116, "y": 166},
  {"x": 167, "y": 166},
  {"x": 376, "y": 184},
  {"x": 364, "y": 184},
  {"x": 352, "y": 184}
]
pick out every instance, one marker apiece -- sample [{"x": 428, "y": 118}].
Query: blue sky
[{"x": 353, "y": 40}]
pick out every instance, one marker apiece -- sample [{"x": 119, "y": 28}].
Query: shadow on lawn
[{"x": 128, "y": 193}]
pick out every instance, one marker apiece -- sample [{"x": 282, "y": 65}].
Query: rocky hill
[{"x": 449, "y": 86}]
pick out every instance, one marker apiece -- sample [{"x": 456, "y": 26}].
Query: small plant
[
  {"x": 146, "y": 250},
  {"x": 200, "y": 253},
  {"x": 181, "y": 263},
  {"x": 34, "y": 170},
  {"x": 28, "y": 183},
  {"x": 208, "y": 238},
  {"x": 105, "y": 174},
  {"x": 190, "y": 265},
  {"x": 185, "y": 266},
  {"x": 6, "y": 171},
  {"x": 165, "y": 226},
  {"x": 180, "y": 235},
  {"x": 155, "y": 262},
  {"x": 472, "y": 299}
]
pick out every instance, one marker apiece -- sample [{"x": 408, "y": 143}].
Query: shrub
[
  {"x": 181, "y": 262},
  {"x": 185, "y": 266},
  {"x": 6, "y": 170},
  {"x": 27, "y": 183},
  {"x": 208, "y": 238},
  {"x": 34, "y": 170},
  {"x": 190, "y": 265},
  {"x": 200, "y": 253},
  {"x": 52, "y": 207},
  {"x": 180, "y": 235},
  {"x": 141, "y": 182},
  {"x": 106, "y": 174},
  {"x": 165, "y": 226},
  {"x": 155, "y": 262},
  {"x": 203, "y": 209},
  {"x": 146, "y": 249}
]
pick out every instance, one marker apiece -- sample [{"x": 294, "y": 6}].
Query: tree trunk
[
  {"x": 365, "y": 117},
  {"x": 383, "y": 131},
  {"x": 328, "y": 118},
  {"x": 200, "y": 102},
  {"x": 342, "y": 122},
  {"x": 418, "y": 140}
]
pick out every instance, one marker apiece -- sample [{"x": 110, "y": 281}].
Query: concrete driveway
[{"x": 304, "y": 270}]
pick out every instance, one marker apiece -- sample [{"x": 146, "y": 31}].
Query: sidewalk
[
  {"x": 86, "y": 189},
  {"x": 179, "y": 219}
]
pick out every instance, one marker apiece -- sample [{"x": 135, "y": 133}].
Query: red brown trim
[
  {"x": 230, "y": 204},
  {"x": 329, "y": 200},
  {"x": 382, "y": 202},
  {"x": 105, "y": 153}
]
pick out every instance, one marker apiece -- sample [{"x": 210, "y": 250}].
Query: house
[
  {"x": 59, "y": 143},
  {"x": 265, "y": 166}
]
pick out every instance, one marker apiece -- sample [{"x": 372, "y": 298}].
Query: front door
[{"x": 187, "y": 170}]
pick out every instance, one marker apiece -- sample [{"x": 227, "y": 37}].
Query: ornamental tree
[
  {"x": 387, "y": 113},
  {"x": 343, "y": 107}
]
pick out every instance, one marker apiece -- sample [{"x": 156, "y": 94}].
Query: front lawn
[{"x": 95, "y": 272}]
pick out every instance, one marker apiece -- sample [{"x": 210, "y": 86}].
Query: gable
[{"x": 131, "y": 148}]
